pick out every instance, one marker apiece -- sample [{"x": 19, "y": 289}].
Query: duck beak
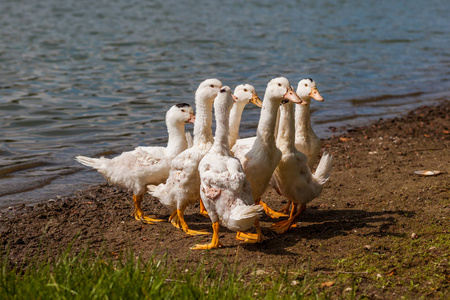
[
  {"x": 255, "y": 100},
  {"x": 315, "y": 95},
  {"x": 235, "y": 99},
  {"x": 191, "y": 119},
  {"x": 292, "y": 96}
]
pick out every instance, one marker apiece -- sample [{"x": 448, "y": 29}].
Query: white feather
[
  {"x": 323, "y": 170},
  {"x": 134, "y": 170}
]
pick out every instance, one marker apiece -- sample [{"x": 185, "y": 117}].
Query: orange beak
[
  {"x": 255, "y": 100},
  {"x": 315, "y": 95},
  {"x": 293, "y": 97},
  {"x": 234, "y": 98},
  {"x": 191, "y": 119}
]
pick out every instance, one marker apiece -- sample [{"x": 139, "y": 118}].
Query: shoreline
[
  {"x": 374, "y": 206},
  {"x": 77, "y": 174}
]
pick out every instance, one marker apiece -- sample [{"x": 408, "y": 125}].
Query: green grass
[
  {"x": 408, "y": 267},
  {"x": 83, "y": 277}
]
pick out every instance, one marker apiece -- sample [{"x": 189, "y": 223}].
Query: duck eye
[
  {"x": 212, "y": 85},
  {"x": 245, "y": 90},
  {"x": 306, "y": 84},
  {"x": 279, "y": 84},
  {"x": 183, "y": 110}
]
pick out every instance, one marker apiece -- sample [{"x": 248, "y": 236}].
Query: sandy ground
[{"x": 377, "y": 223}]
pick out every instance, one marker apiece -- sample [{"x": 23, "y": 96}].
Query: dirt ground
[{"x": 377, "y": 224}]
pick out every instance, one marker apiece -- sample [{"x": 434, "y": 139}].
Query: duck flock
[{"x": 228, "y": 175}]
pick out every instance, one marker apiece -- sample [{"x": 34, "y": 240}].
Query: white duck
[
  {"x": 224, "y": 188},
  {"x": 183, "y": 185},
  {"x": 261, "y": 160},
  {"x": 134, "y": 170},
  {"x": 243, "y": 94},
  {"x": 293, "y": 175},
  {"x": 306, "y": 140}
]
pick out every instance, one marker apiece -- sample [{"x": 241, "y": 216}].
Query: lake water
[{"x": 96, "y": 77}]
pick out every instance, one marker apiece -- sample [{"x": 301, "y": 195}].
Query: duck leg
[
  {"x": 184, "y": 226},
  {"x": 285, "y": 209},
  {"x": 283, "y": 226},
  {"x": 138, "y": 213},
  {"x": 270, "y": 212},
  {"x": 288, "y": 221},
  {"x": 215, "y": 240},
  {"x": 251, "y": 237},
  {"x": 174, "y": 219},
  {"x": 294, "y": 208},
  {"x": 203, "y": 211}
]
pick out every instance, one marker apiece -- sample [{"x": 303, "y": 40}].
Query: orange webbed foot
[
  {"x": 270, "y": 212},
  {"x": 215, "y": 243}
]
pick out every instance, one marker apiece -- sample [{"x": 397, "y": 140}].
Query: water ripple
[{"x": 91, "y": 78}]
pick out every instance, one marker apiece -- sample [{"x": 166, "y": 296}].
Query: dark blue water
[{"x": 95, "y": 78}]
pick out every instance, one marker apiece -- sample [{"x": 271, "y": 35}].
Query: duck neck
[
  {"x": 286, "y": 128},
  {"x": 177, "y": 139},
  {"x": 203, "y": 122},
  {"x": 235, "y": 121},
  {"x": 221, "y": 144},
  {"x": 302, "y": 119},
  {"x": 277, "y": 123},
  {"x": 267, "y": 120}
]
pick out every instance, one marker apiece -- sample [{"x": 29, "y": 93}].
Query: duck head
[
  {"x": 280, "y": 88},
  {"x": 208, "y": 89},
  {"x": 181, "y": 113},
  {"x": 245, "y": 94},
  {"x": 307, "y": 89},
  {"x": 224, "y": 100}
]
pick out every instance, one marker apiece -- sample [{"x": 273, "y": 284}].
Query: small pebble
[{"x": 413, "y": 235}]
